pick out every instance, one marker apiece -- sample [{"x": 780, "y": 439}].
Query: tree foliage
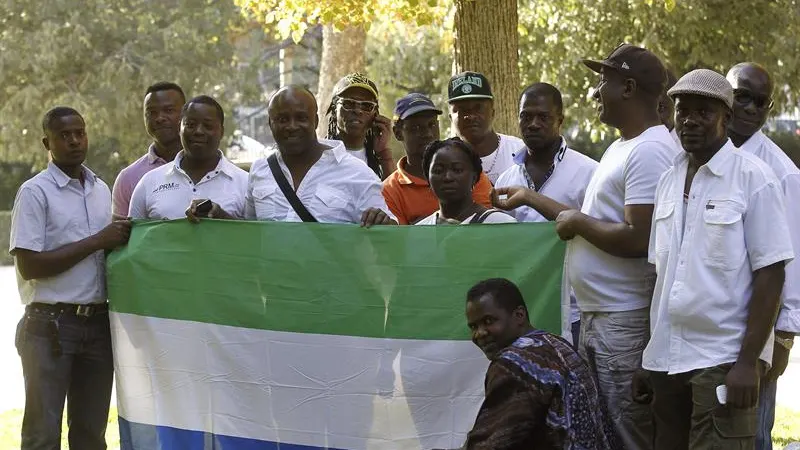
[
  {"x": 556, "y": 34},
  {"x": 293, "y": 17},
  {"x": 99, "y": 57}
]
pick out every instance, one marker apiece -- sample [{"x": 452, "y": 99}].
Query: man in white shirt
[
  {"x": 719, "y": 243},
  {"x": 607, "y": 258},
  {"x": 322, "y": 182},
  {"x": 60, "y": 229},
  {"x": 752, "y": 102},
  {"x": 199, "y": 172},
  {"x": 547, "y": 177},
  {"x": 472, "y": 113}
]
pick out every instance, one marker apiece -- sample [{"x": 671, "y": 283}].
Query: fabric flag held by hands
[{"x": 247, "y": 335}]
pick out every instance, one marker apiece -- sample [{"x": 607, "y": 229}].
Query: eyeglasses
[
  {"x": 744, "y": 97},
  {"x": 357, "y": 105}
]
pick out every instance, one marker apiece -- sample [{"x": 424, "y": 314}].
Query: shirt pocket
[
  {"x": 663, "y": 222},
  {"x": 264, "y": 202},
  {"x": 724, "y": 243},
  {"x": 333, "y": 206}
]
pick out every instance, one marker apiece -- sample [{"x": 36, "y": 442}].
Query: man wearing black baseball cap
[
  {"x": 472, "y": 114},
  {"x": 406, "y": 190},
  {"x": 608, "y": 267}
]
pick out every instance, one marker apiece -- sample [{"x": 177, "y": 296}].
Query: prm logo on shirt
[{"x": 167, "y": 187}]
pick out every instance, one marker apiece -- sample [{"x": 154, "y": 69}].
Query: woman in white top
[{"x": 452, "y": 169}]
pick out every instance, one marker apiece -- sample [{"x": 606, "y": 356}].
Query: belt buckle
[{"x": 84, "y": 310}]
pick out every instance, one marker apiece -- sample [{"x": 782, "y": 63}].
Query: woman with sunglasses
[
  {"x": 452, "y": 169},
  {"x": 353, "y": 118}
]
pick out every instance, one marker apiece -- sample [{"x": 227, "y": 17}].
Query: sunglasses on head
[
  {"x": 357, "y": 105},
  {"x": 744, "y": 97}
]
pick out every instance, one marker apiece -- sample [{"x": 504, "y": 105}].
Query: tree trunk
[
  {"x": 342, "y": 53},
  {"x": 487, "y": 41}
]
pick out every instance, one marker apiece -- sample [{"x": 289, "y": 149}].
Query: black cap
[
  {"x": 413, "y": 103},
  {"x": 634, "y": 62},
  {"x": 468, "y": 85}
]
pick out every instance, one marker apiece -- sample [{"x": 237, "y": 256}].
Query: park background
[{"x": 100, "y": 55}]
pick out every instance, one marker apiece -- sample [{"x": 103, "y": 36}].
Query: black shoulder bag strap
[
  {"x": 287, "y": 190},
  {"x": 479, "y": 218}
]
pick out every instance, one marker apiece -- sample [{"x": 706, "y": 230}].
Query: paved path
[{"x": 13, "y": 396}]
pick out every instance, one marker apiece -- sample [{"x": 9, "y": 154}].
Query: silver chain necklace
[{"x": 496, "y": 151}]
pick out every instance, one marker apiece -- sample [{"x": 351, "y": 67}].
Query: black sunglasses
[{"x": 744, "y": 97}]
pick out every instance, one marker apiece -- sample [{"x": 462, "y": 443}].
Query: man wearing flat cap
[{"x": 719, "y": 242}]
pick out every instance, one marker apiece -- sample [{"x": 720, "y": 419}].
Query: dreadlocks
[
  {"x": 355, "y": 79},
  {"x": 369, "y": 139}
]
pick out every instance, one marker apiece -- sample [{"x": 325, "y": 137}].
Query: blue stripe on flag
[{"x": 139, "y": 436}]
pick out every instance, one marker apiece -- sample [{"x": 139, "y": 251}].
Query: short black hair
[
  {"x": 205, "y": 100},
  {"x": 504, "y": 292},
  {"x": 547, "y": 90},
  {"x": 435, "y": 146},
  {"x": 165, "y": 86},
  {"x": 57, "y": 113}
]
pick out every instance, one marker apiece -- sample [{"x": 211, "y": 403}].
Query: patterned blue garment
[{"x": 540, "y": 395}]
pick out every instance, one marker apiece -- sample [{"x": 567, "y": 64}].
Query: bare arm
[{"x": 629, "y": 239}]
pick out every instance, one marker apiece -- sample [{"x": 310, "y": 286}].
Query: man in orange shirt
[{"x": 416, "y": 124}]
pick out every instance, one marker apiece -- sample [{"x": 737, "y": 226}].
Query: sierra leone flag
[{"x": 247, "y": 335}]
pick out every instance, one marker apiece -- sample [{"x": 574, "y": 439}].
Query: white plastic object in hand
[{"x": 722, "y": 394}]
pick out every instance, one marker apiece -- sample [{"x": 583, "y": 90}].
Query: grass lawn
[{"x": 786, "y": 430}]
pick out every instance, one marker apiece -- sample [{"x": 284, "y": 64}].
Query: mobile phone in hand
[{"x": 203, "y": 208}]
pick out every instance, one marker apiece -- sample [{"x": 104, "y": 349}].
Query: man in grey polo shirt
[{"x": 60, "y": 229}]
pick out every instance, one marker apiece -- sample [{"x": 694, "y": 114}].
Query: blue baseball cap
[{"x": 413, "y": 103}]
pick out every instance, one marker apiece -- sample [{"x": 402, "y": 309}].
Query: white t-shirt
[
  {"x": 627, "y": 175},
  {"x": 494, "y": 217},
  {"x": 166, "y": 192},
  {"x": 675, "y": 138},
  {"x": 501, "y": 159}
]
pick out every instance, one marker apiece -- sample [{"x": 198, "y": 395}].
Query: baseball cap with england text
[
  {"x": 467, "y": 85},
  {"x": 634, "y": 62}
]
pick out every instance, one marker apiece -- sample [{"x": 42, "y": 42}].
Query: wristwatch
[{"x": 786, "y": 343}]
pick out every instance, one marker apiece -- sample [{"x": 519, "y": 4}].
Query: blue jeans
[
  {"x": 766, "y": 414},
  {"x": 65, "y": 357}
]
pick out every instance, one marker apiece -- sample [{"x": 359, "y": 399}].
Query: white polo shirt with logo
[
  {"x": 337, "y": 189},
  {"x": 50, "y": 211},
  {"x": 166, "y": 192},
  {"x": 627, "y": 175},
  {"x": 734, "y": 223}
]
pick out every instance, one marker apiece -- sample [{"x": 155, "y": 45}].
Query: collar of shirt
[
  {"x": 716, "y": 165},
  {"x": 152, "y": 156},
  {"x": 522, "y": 155},
  {"x": 224, "y": 166},
  {"x": 754, "y": 142},
  {"x": 406, "y": 178},
  {"x": 62, "y": 179}
]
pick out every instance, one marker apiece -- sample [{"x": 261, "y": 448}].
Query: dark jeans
[{"x": 65, "y": 357}]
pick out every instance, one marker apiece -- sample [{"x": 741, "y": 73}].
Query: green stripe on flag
[{"x": 387, "y": 281}]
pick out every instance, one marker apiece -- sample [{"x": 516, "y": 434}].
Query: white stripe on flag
[{"x": 308, "y": 389}]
